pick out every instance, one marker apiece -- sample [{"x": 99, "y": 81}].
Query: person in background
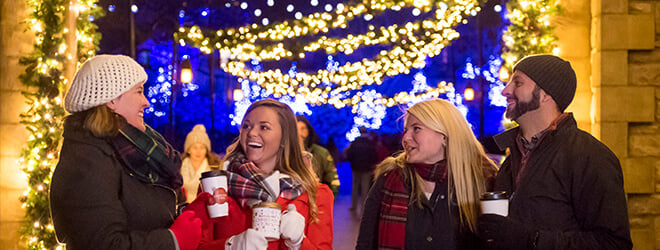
[
  {"x": 197, "y": 158},
  {"x": 428, "y": 196},
  {"x": 324, "y": 164},
  {"x": 114, "y": 185},
  {"x": 566, "y": 186},
  {"x": 381, "y": 150},
  {"x": 266, "y": 164},
  {"x": 363, "y": 156}
]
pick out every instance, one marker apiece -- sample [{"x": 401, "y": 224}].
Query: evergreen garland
[
  {"x": 43, "y": 81},
  {"x": 530, "y": 30}
]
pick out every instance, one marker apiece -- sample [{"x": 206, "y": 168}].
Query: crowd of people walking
[{"x": 120, "y": 185}]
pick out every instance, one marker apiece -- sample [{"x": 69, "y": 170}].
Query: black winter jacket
[
  {"x": 571, "y": 190},
  {"x": 96, "y": 204}
]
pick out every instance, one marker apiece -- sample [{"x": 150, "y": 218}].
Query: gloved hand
[
  {"x": 188, "y": 230},
  {"x": 248, "y": 239},
  {"x": 292, "y": 226},
  {"x": 500, "y": 232},
  {"x": 199, "y": 206}
]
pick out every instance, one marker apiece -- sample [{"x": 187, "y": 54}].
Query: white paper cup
[
  {"x": 266, "y": 219},
  {"x": 495, "y": 203},
  {"x": 215, "y": 183}
]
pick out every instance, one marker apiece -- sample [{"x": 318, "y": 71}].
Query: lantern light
[
  {"x": 468, "y": 94},
  {"x": 186, "y": 71},
  {"x": 238, "y": 95}
]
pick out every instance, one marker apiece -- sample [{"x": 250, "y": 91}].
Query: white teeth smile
[{"x": 255, "y": 144}]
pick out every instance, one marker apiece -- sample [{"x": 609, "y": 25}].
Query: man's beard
[{"x": 522, "y": 108}]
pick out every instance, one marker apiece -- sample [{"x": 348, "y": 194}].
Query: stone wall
[
  {"x": 625, "y": 81},
  {"x": 643, "y": 161},
  {"x": 13, "y": 44}
]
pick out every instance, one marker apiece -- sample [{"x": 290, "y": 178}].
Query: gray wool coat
[{"x": 96, "y": 204}]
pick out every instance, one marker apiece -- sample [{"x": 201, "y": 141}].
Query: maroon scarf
[
  {"x": 246, "y": 183},
  {"x": 396, "y": 197}
]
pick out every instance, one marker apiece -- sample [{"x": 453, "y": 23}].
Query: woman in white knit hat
[
  {"x": 113, "y": 187},
  {"x": 197, "y": 158}
]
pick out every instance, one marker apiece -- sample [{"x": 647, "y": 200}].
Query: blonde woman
[{"x": 428, "y": 196}]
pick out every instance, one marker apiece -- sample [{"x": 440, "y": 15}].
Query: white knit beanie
[
  {"x": 198, "y": 134},
  {"x": 101, "y": 79}
]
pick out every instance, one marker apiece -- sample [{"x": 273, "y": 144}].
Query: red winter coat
[{"x": 318, "y": 235}]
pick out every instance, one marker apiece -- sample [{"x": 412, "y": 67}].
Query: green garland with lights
[
  {"x": 530, "y": 31},
  {"x": 43, "y": 81}
]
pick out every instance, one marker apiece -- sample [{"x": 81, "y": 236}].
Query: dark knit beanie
[{"x": 554, "y": 75}]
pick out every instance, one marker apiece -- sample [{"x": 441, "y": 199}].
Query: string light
[
  {"x": 530, "y": 31},
  {"x": 43, "y": 118},
  {"x": 411, "y": 44}
]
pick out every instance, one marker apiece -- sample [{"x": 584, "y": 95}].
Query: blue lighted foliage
[{"x": 480, "y": 43}]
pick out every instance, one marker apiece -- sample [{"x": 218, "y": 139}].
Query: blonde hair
[
  {"x": 465, "y": 157},
  {"x": 290, "y": 159}
]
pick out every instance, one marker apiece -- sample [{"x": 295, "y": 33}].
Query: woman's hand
[
  {"x": 248, "y": 239},
  {"x": 292, "y": 227}
]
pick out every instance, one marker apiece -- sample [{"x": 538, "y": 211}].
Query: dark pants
[{"x": 361, "y": 184}]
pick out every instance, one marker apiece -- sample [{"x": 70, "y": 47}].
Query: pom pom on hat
[
  {"x": 552, "y": 74},
  {"x": 102, "y": 79},
  {"x": 197, "y": 135}
]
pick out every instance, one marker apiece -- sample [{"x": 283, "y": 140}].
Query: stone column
[
  {"x": 625, "y": 74},
  {"x": 574, "y": 46},
  {"x": 13, "y": 44}
]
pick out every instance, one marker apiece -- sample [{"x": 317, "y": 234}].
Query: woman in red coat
[{"x": 266, "y": 164}]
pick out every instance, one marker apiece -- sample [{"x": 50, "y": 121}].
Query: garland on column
[
  {"x": 44, "y": 81},
  {"x": 530, "y": 31}
]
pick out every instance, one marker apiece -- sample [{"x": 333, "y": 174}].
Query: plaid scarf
[
  {"x": 148, "y": 157},
  {"x": 393, "y": 212},
  {"x": 247, "y": 184}
]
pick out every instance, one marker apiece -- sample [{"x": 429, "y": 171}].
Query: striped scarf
[
  {"x": 247, "y": 184},
  {"x": 393, "y": 212},
  {"x": 148, "y": 157}
]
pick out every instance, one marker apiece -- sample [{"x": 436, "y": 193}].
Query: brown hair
[
  {"x": 100, "y": 120},
  {"x": 290, "y": 159}
]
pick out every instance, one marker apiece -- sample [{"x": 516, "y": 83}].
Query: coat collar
[
  {"x": 75, "y": 132},
  {"x": 507, "y": 138}
]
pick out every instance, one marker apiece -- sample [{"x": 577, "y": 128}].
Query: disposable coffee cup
[
  {"x": 266, "y": 219},
  {"x": 215, "y": 183},
  {"x": 495, "y": 203}
]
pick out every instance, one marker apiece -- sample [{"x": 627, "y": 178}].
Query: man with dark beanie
[{"x": 565, "y": 186}]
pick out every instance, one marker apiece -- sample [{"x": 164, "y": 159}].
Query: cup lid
[
  {"x": 498, "y": 195},
  {"x": 212, "y": 173}
]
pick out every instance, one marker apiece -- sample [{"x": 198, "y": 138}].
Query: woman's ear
[{"x": 111, "y": 105}]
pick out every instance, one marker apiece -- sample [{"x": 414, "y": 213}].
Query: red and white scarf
[{"x": 393, "y": 212}]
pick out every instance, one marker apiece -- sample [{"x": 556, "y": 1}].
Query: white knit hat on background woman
[
  {"x": 197, "y": 135},
  {"x": 101, "y": 79}
]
